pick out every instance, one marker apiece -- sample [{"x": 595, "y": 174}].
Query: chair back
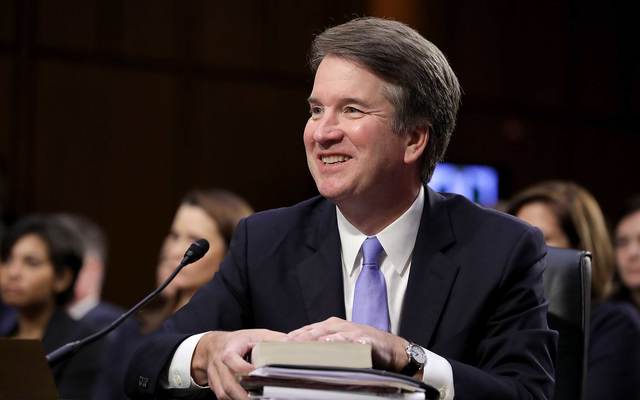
[{"x": 567, "y": 284}]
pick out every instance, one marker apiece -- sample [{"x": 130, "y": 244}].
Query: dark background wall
[{"x": 114, "y": 108}]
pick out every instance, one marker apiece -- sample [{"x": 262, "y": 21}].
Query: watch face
[{"x": 418, "y": 354}]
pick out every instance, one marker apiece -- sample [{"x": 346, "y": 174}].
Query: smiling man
[{"x": 443, "y": 290}]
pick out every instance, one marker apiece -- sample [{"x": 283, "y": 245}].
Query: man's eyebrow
[
  {"x": 346, "y": 100},
  {"x": 353, "y": 100}
]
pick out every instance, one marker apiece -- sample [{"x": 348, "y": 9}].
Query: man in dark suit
[{"x": 442, "y": 289}]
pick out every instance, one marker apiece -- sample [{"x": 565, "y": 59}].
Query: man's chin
[{"x": 331, "y": 192}]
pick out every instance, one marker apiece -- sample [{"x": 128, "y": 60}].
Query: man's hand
[
  {"x": 218, "y": 358},
  {"x": 388, "y": 349}
]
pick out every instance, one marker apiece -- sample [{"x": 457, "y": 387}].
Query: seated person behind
[
  {"x": 627, "y": 248},
  {"x": 87, "y": 303},
  {"x": 40, "y": 260},
  {"x": 570, "y": 217},
  {"x": 211, "y": 214},
  {"x": 459, "y": 284}
]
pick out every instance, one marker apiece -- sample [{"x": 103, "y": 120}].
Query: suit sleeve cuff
[
  {"x": 439, "y": 374},
  {"x": 179, "y": 373}
]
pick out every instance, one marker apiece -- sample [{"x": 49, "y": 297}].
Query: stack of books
[{"x": 325, "y": 370}]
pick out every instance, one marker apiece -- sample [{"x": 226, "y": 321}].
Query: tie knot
[{"x": 371, "y": 250}]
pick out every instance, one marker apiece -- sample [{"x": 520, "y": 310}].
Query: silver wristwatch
[{"x": 417, "y": 359}]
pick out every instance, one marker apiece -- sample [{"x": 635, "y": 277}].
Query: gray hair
[
  {"x": 92, "y": 237},
  {"x": 420, "y": 83}
]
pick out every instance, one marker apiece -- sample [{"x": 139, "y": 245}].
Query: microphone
[{"x": 195, "y": 252}]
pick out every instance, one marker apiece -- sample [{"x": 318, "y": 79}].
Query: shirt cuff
[
  {"x": 179, "y": 373},
  {"x": 439, "y": 374}
]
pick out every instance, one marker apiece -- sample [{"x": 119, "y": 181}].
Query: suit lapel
[
  {"x": 320, "y": 274},
  {"x": 432, "y": 273}
]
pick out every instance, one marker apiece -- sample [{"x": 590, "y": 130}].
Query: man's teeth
[{"x": 334, "y": 159}]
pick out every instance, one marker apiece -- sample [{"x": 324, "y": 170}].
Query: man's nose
[{"x": 328, "y": 129}]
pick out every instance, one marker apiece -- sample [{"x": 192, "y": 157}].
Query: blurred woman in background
[
  {"x": 627, "y": 248},
  {"x": 40, "y": 260},
  {"x": 570, "y": 217},
  {"x": 202, "y": 214}
]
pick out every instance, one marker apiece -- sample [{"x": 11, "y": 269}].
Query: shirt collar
[
  {"x": 397, "y": 239},
  {"x": 80, "y": 308}
]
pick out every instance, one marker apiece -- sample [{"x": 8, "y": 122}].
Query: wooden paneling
[
  {"x": 67, "y": 24},
  {"x": 249, "y": 137},
  {"x": 7, "y": 21},
  {"x": 104, "y": 148},
  {"x": 5, "y": 105},
  {"x": 5, "y": 124}
]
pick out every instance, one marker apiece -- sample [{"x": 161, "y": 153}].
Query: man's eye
[
  {"x": 352, "y": 110},
  {"x": 315, "y": 111}
]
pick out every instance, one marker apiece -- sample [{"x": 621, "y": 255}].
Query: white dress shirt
[{"x": 398, "y": 240}]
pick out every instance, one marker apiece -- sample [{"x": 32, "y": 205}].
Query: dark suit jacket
[
  {"x": 474, "y": 295},
  {"x": 613, "y": 369}
]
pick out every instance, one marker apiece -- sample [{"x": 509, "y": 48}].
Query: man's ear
[
  {"x": 416, "y": 145},
  {"x": 62, "y": 280}
]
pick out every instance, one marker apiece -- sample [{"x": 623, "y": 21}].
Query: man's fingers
[
  {"x": 218, "y": 359},
  {"x": 334, "y": 337},
  {"x": 214, "y": 380},
  {"x": 310, "y": 335},
  {"x": 314, "y": 331},
  {"x": 223, "y": 382},
  {"x": 229, "y": 381},
  {"x": 237, "y": 364},
  {"x": 320, "y": 330},
  {"x": 329, "y": 323},
  {"x": 267, "y": 335},
  {"x": 300, "y": 331},
  {"x": 353, "y": 336}
]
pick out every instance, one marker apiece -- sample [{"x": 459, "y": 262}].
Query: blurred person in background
[
  {"x": 87, "y": 304},
  {"x": 627, "y": 248},
  {"x": 210, "y": 214},
  {"x": 40, "y": 263},
  {"x": 570, "y": 217}
]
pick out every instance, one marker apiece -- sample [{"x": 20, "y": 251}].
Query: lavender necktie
[{"x": 370, "y": 296}]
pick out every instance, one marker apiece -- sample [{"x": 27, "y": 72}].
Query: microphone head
[{"x": 195, "y": 252}]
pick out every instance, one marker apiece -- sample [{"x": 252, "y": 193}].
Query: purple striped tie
[{"x": 370, "y": 295}]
